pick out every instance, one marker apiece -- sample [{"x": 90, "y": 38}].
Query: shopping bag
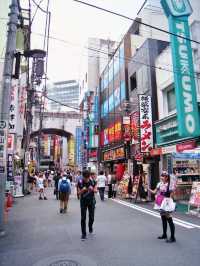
[
  {"x": 159, "y": 199},
  {"x": 168, "y": 205}
]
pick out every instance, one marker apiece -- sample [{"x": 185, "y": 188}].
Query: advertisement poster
[
  {"x": 18, "y": 186},
  {"x": 71, "y": 151},
  {"x": 195, "y": 194},
  {"x": 13, "y": 107},
  {"x": 10, "y": 167},
  {"x": 135, "y": 127},
  {"x": 146, "y": 130}
]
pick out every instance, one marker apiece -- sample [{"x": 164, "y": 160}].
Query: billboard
[
  {"x": 178, "y": 12},
  {"x": 146, "y": 129}
]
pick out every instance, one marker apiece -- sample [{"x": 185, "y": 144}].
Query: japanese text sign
[
  {"x": 13, "y": 107},
  {"x": 146, "y": 131},
  {"x": 178, "y": 12}
]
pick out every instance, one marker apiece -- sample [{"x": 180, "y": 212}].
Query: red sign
[
  {"x": 118, "y": 131},
  {"x": 10, "y": 141},
  {"x": 135, "y": 126},
  {"x": 108, "y": 155},
  {"x": 127, "y": 133},
  {"x": 111, "y": 133},
  {"x": 186, "y": 146},
  {"x": 93, "y": 154},
  {"x": 155, "y": 152},
  {"x": 114, "y": 154},
  {"x": 146, "y": 129}
]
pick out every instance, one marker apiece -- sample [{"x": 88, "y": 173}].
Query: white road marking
[{"x": 177, "y": 221}]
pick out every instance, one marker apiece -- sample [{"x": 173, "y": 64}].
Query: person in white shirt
[
  {"x": 40, "y": 184},
  {"x": 109, "y": 177},
  {"x": 101, "y": 183}
]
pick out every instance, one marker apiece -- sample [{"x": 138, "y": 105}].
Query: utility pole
[{"x": 5, "y": 102}]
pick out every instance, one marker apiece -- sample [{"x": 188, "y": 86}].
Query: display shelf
[
  {"x": 188, "y": 174},
  {"x": 184, "y": 183}
]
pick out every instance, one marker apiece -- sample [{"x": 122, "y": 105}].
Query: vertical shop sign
[
  {"x": 126, "y": 128},
  {"x": 118, "y": 131},
  {"x": 71, "y": 151},
  {"x": 111, "y": 134},
  {"x": 45, "y": 143},
  {"x": 2, "y": 150},
  {"x": 135, "y": 127},
  {"x": 146, "y": 130},
  {"x": 10, "y": 167},
  {"x": 13, "y": 107},
  {"x": 21, "y": 104},
  {"x": 178, "y": 12}
]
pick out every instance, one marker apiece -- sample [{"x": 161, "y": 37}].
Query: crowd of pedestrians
[{"x": 86, "y": 184}]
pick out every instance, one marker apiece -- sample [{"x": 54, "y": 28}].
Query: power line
[
  {"x": 37, "y": 7},
  {"x": 135, "y": 20},
  {"x": 77, "y": 108},
  {"x": 130, "y": 59}
]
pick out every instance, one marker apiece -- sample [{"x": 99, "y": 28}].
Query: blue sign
[{"x": 177, "y": 12}]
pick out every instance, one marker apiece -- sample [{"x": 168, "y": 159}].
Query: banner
[
  {"x": 13, "y": 107},
  {"x": 146, "y": 130},
  {"x": 195, "y": 194},
  {"x": 18, "y": 186},
  {"x": 178, "y": 12},
  {"x": 135, "y": 127}
]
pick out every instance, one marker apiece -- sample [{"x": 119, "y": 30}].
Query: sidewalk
[{"x": 180, "y": 214}]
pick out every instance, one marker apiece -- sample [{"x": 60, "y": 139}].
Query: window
[
  {"x": 171, "y": 99},
  {"x": 133, "y": 82}
]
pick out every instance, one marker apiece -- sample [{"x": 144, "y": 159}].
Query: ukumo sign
[{"x": 178, "y": 12}]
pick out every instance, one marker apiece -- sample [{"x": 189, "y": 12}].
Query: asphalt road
[{"x": 125, "y": 235}]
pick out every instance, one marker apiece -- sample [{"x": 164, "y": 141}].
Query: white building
[{"x": 66, "y": 92}]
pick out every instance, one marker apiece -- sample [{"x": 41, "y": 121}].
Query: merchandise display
[
  {"x": 187, "y": 171},
  {"x": 123, "y": 188}
]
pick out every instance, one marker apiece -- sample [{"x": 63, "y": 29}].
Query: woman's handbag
[{"x": 168, "y": 205}]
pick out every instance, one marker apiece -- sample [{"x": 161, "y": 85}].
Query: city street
[{"x": 38, "y": 235}]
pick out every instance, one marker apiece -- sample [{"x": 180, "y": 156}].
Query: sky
[{"x": 75, "y": 23}]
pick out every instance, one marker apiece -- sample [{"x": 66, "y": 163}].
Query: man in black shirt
[{"x": 86, "y": 189}]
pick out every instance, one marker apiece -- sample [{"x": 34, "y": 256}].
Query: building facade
[
  {"x": 99, "y": 52},
  {"x": 178, "y": 154},
  {"x": 66, "y": 92}
]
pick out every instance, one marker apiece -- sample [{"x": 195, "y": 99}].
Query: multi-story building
[
  {"x": 99, "y": 52},
  {"x": 179, "y": 153},
  {"x": 66, "y": 92},
  {"x": 129, "y": 73}
]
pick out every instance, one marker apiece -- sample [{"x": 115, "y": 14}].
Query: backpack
[{"x": 64, "y": 186}]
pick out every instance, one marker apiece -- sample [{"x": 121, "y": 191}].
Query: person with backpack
[
  {"x": 64, "y": 189},
  {"x": 86, "y": 190}
]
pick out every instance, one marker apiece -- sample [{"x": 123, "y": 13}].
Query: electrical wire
[
  {"x": 135, "y": 20},
  {"x": 130, "y": 59},
  {"x": 79, "y": 109},
  {"x": 37, "y": 7}
]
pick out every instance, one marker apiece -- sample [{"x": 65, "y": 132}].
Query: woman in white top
[
  {"x": 40, "y": 184},
  {"x": 101, "y": 183},
  {"x": 109, "y": 177}
]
